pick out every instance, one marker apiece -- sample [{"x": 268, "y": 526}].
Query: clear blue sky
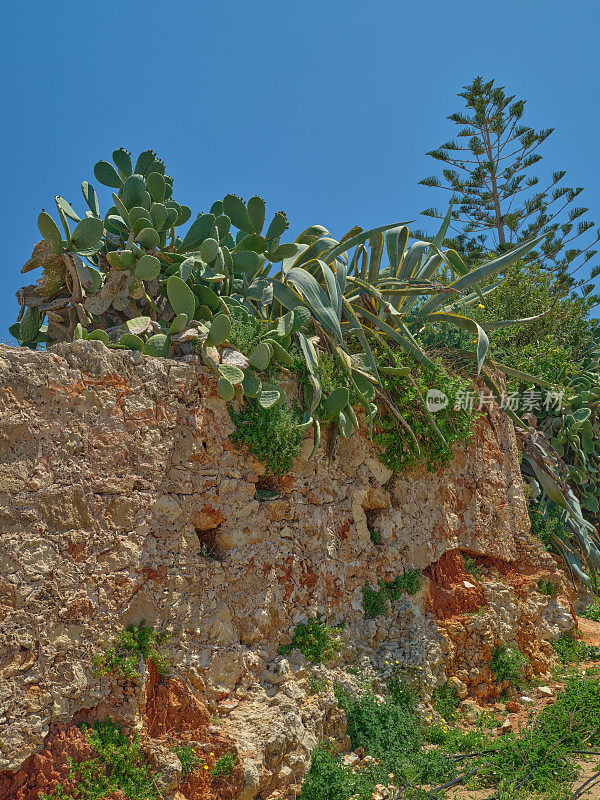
[{"x": 323, "y": 108}]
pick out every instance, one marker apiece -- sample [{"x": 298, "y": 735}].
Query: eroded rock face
[{"x": 122, "y": 499}]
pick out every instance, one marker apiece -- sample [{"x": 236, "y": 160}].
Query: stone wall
[{"x": 122, "y": 499}]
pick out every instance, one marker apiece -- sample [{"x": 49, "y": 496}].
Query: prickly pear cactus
[{"x": 102, "y": 272}]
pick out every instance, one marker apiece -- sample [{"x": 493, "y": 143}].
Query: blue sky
[{"x": 326, "y": 109}]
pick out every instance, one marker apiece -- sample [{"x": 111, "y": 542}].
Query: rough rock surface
[{"x": 122, "y": 499}]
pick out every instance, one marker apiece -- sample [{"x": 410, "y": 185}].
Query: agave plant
[{"x": 547, "y": 477}]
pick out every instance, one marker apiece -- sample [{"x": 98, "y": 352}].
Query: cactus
[
  {"x": 178, "y": 324},
  {"x": 233, "y": 374},
  {"x": 134, "y": 190},
  {"x": 225, "y": 389},
  {"x": 184, "y": 213},
  {"x": 207, "y": 297},
  {"x": 256, "y": 212},
  {"x": 123, "y": 260},
  {"x": 91, "y": 198},
  {"x": 270, "y": 396},
  {"x": 181, "y": 297},
  {"x": 157, "y": 345},
  {"x": 209, "y": 250},
  {"x": 223, "y": 224},
  {"x": 107, "y": 175},
  {"x": 282, "y": 251},
  {"x": 131, "y": 341},
  {"x": 245, "y": 261},
  {"x": 50, "y": 231},
  {"x": 137, "y": 325},
  {"x": 236, "y": 210},
  {"x": 336, "y": 401},
  {"x": 148, "y": 238},
  {"x": 99, "y": 335},
  {"x": 137, "y": 213},
  {"x": 199, "y": 230},
  {"x": 280, "y": 353},
  {"x": 219, "y": 330},
  {"x": 30, "y": 325},
  {"x": 123, "y": 162},
  {"x": 261, "y": 356},
  {"x": 159, "y": 215},
  {"x": 157, "y": 186},
  {"x": 87, "y": 233},
  {"x": 278, "y": 226},
  {"x": 147, "y": 268},
  {"x": 251, "y": 384}
]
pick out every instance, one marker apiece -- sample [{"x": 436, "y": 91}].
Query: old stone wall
[{"x": 122, "y": 499}]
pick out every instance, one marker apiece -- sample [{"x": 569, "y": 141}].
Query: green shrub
[
  {"x": 546, "y": 743},
  {"x": 316, "y": 639},
  {"x": 446, "y": 701},
  {"x": 375, "y": 602},
  {"x": 329, "y": 779},
  {"x": 592, "y": 612},
  {"x": 571, "y": 650},
  {"x": 396, "y": 447},
  {"x": 508, "y": 664},
  {"x": 272, "y": 434},
  {"x": 135, "y": 643},
  {"x": 316, "y": 685},
  {"x": 391, "y": 731},
  {"x": 117, "y": 766}
]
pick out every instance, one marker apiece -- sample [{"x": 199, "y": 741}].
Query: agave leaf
[
  {"x": 395, "y": 242},
  {"x": 403, "y": 337},
  {"x": 312, "y": 364},
  {"x": 571, "y": 560},
  {"x": 376, "y": 243},
  {"x": 358, "y": 329},
  {"x": 317, "y": 439},
  {"x": 360, "y": 238},
  {"x": 317, "y": 301},
  {"x": 475, "y": 297},
  {"x": 470, "y": 325},
  {"x": 491, "y": 384},
  {"x": 503, "y": 323},
  {"x": 412, "y": 258},
  {"x": 482, "y": 273},
  {"x": 441, "y": 234}
]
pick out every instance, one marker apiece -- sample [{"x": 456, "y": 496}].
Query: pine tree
[{"x": 498, "y": 202}]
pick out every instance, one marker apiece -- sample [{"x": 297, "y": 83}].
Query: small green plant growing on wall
[
  {"x": 316, "y": 639},
  {"x": 472, "y": 567},
  {"x": 375, "y": 602},
  {"x": 224, "y": 766},
  {"x": 546, "y": 586},
  {"x": 396, "y": 448},
  {"x": 189, "y": 759},
  {"x": 508, "y": 664},
  {"x": 135, "y": 644},
  {"x": 274, "y": 435}
]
